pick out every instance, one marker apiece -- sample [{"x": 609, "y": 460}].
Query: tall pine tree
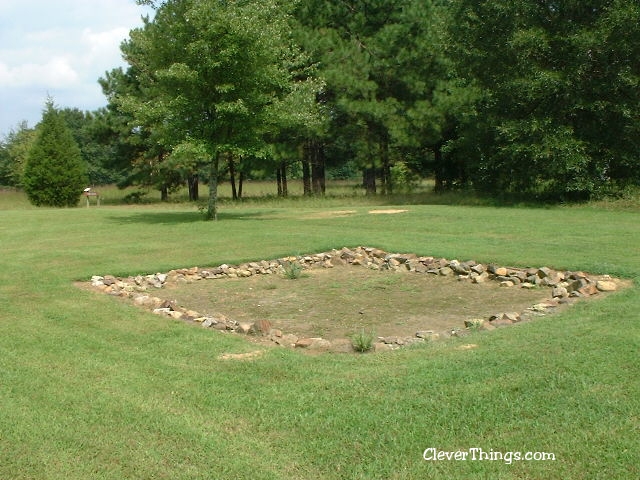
[{"x": 55, "y": 173}]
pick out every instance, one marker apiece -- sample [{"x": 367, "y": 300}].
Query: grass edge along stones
[{"x": 564, "y": 287}]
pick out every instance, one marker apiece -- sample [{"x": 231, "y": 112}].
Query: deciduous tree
[{"x": 214, "y": 74}]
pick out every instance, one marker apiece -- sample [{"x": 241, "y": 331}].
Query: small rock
[
  {"x": 304, "y": 342},
  {"x": 275, "y": 333},
  {"x": 261, "y": 327},
  {"x": 543, "y": 272},
  {"x": 479, "y": 268},
  {"x": 286, "y": 340},
  {"x": 606, "y": 286},
  {"x": 381, "y": 347},
  {"x": 559, "y": 292},
  {"x": 445, "y": 271},
  {"x": 244, "y": 327},
  {"x": 587, "y": 290},
  {"x": 479, "y": 278},
  {"x": 501, "y": 322}
]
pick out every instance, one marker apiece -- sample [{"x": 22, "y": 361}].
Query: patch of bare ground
[{"x": 335, "y": 303}]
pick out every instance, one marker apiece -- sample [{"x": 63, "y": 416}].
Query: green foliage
[
  {"x": 216, "y": 75},
  {"x": 363, "y": 340},
  {"x": 292, "y": 270},
  {"x": 55, "y": 174},
  {"x": 557, "y": 83},
  {"x": 14, "y": 151}
]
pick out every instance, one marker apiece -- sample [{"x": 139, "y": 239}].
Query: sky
[{"x": 59, "y": 48}]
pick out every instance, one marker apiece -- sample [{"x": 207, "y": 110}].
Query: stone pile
[{"x": 563, "y": 285}]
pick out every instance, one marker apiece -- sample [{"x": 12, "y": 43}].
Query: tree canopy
[
  {"x": 522, "y": 97},
  {"x": 215, "y": 77}
]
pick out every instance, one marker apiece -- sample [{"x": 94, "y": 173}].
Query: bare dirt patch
[
  {"x": 387, "y": 211},
  {"x": 338, "y": 302},
  {"x": 330, "y": 214}
]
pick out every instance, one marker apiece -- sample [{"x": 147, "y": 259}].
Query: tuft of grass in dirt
[
  {"x": 292, "y": 270},
  {"x": 362, "y": 341}
]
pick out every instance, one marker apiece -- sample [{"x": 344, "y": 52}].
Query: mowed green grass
[{"x": 93, "y": 388}]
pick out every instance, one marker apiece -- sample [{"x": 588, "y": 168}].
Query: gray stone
[
  {"x": 445, "y": 271},
  {"x": 244, "y": 327},
  {"x": 479, "y": 268},
  {"x": 559, "y": 292},
  {"x": 208, "y": 322},
  {"x": 480, "y": 278}
]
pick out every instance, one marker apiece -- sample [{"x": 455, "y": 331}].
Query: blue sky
[{"x": 59, "y": 48}]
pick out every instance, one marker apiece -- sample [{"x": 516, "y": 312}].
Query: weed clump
[
  {"x": 363, "y": 340},
  {"x": 292, "y": 270}
]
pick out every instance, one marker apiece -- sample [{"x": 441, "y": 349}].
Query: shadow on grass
[{"x": 177, "y": 218}]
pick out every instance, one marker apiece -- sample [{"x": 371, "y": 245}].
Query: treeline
[{"x": 506, "y": 97}]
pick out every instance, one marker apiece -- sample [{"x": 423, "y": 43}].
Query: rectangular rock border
[{"x": 564, "y": 287}]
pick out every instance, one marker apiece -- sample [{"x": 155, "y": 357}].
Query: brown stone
[
  {"x": 606, "y": 286},
  {"x": 381, "y": 347},
  {"x": 501, "y": 322},
  {"x": 589, "y": 289},
  {"x": 304, "y": 342},
  {"x": 286, "y": 340},
  {"x": 261, "y": 327},
  {"x": 501, "y": 271}
]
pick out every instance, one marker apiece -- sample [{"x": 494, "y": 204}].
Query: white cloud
[
  {"x": 60, "y": 49},
  {"x": 57, "y": 72}
]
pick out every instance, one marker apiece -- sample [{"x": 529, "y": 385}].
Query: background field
[{"x": 92, "y": 388}]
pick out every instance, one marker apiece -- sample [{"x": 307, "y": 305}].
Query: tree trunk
[
  {"x": 369, "y": 180},
  {"x": 306, "y": 175},
  {"x": 285, "y": 188},
  {"x": 317, "y": 168},
  {"x": 212, "y": 209},
  {"x": 387, "y": 183},
  {"x": 232, "y": 178},
  {"x": 279, "y": 180},
  {"x": 240, "y": 183},
  {"x": 164, "y": 193},
  {"x": 439, "y": 169},
  {"x": 192, "y": 182}
]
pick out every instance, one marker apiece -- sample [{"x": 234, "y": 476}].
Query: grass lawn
[{"x": 93, "y": 388}]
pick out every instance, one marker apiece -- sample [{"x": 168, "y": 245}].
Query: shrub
[{"x": 55, "y": 174}]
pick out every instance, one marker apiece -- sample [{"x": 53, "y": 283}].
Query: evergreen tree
[
  {"x": 559, "y": 85},
  {"x": 55, "y": 173}
]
